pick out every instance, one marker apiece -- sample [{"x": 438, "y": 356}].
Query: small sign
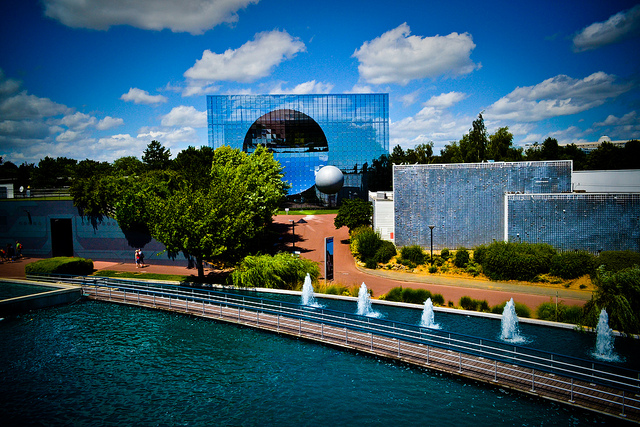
[{"x": 328, "y": 258}]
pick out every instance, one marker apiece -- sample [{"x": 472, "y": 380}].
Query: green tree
[
  {"x": 53, "y": 173},
  {"x": 156, "y": 156},
  {"x": 421, "y": 154},
  {"x": 128, "y": 166},
  {"x": 473, "y": 145},
  {"x": 619, "y": 294},
  {"x": 220, "y": 220},
  {"x": 500, "y": 147},
  {"x": 354, "y": 213},
  {"x": 379, "y": 175},
  {"x": 451, "y": 153},
  {"x": 195, "y": 164},
  {"x": 397, "y": 156}
]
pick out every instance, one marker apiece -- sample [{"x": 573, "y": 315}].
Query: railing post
[
  {"x": 278, "y": 317},
  {"x": 533, "y": 380},
  {"x": 346, "y": 336},
  {"x": 398, "y": 344},
  {"x": 257, "y": 318},
  {"x": 239, "y": 313},
  {"x": 623, "y": 402},
  {"x": 371, "y": 333},
  {"x": 299, "y": 326},
  {"x": 322, "y": 330},
  {"x": 495, "y": 371},
  {"x": 459, "y": 362},
  {"x": 428, "y": 362},
  {"x": 571, "y": 398}
]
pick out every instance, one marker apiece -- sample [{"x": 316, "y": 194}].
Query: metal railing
[{"x": 574, "y": 377}]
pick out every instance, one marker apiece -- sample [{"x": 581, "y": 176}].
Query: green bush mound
[
  {"x": 413, "y": 254},
  {"x": 412, "y": 296},
  {"x": 461, "y": 257},
  {"x": 614, "y": 261},
  {"x": 469, "y": 303},
  {"x": 521, "y": 309},
  {"x": 571, "y": 265},
  {"x": 367, "y": 246},
  {"x": 385, "y": 252},
  {"x": 61, "y": 265},
  {"x": 565, "y": 314},
  {"x": 281, "y": 271},
  {"x": 517, "y": 261}
]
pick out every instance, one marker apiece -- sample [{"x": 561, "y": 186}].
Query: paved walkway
[{"x": 309, "y": 241}]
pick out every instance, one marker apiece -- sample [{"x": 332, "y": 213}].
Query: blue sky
[{"x": 100, "y": 79}]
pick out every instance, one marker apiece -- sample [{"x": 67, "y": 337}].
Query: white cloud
[
  {"x": 140, "y": 96},
  {"x": 397, "y": 57},
  {"x": 558, "y": 96},
  {"x": 251, "y": 61},
  {"x": 630, "y": 118},
  {"x": 109, "y": 123},
  {"x": 192, "y": 16},
  {"x": 429, "y": 124},
  {"x": 78, "y": 121},
  {"x": 357, "y": 88},
  {"x": 445, "y": 100},
  {"x": 410, "y": 98},
  {"x": 621, "y": 26},
  {"x": 25, "y": 106},
  {"x": 304, "y": 88},
  {"x": 185, "y": 116}
]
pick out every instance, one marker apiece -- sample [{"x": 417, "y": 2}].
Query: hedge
[{"x": 61, "y": 265}]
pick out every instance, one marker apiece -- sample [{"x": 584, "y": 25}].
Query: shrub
[
  {"x": 413, "y": 253},
  {"x": 61, "y": 265},
  {"x": 281, "y": 271},
  {"x": 517, "y": 261},
  {"x": 353, "y": 238},
  {"x": 461, "y": 258},
  {"x": 617, "y": 260},
  {"x": 571, "y": 265},
  {"x": 367, "y": 244},
  {"x": 433, "y": 269},
  {"x": 438, "y": 261},
  {"x": 413, "y": 296},
  {"x": 565, "y": 314},
  {"x": 385, "y": 252},
  {"x": 473, "y": 269},
  {"x": 371, "y": 264},
  {"x": 521, "y": 309},
  {"x": 445, "y": 254},
  {"x": 479, "y": 252},
  {"x": 469, "y": 303}
]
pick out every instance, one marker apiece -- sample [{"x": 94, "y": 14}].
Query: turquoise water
[
  {"x": 97, "y": 363},
  {"x": 13, "y": 290}
]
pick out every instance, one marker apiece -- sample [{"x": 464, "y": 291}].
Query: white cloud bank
[
  {"x": 558, "y": 96},
  {"x": 398, "y": 57},
  {"x": 139, "y": 96},
  {"x": 619, "y": 27},
  {"x": 191, "y": 16},
  {"x": 251, "y": 61},
  {"x": 185, "y": 116}
]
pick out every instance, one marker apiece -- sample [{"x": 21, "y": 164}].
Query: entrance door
[{"x": 61, "y": 237}]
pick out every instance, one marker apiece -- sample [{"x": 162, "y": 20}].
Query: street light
[
  {"x": 293, "y": 233},
  {"x": 431, "y": 227}
]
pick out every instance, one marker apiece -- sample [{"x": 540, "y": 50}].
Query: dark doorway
[{"x": 61, "y": 237}]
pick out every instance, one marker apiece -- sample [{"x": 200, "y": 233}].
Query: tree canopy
[{"x": 353, "y": 213}]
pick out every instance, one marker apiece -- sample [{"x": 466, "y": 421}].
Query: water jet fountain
[
  {"x": 364, "y": 303},
  {"x": 509, "y": 325},
  {"x": 428, "y": 318},
  {"x": 604, "y": 339},
  {"x": 308, "y": 298}
]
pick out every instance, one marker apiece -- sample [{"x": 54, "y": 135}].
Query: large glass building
[{"x": 305, "y": 132}]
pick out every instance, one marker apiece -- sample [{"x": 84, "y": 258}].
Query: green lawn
[{"x": 144, "y": 276}]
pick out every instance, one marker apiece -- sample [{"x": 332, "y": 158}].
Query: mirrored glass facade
[
  {"x": 591, "y": 222},
  {"x": 305, "y": 132},
  {"x": 466, "y": 202}
]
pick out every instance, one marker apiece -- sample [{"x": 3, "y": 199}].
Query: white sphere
[{"x": 329, "y": 180}]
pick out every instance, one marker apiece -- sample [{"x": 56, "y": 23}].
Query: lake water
[{"x": 97, "y": 363}]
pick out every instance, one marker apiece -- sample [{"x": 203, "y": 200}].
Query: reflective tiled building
[
  {"x": 466, "y": 202},
  {"x": 305, "y": 132},
  {"x": 584, "y": 221}
]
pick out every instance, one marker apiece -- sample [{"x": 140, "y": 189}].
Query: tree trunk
[{"x": 200, "y": 265}]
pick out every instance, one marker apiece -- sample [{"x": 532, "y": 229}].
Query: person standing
[{"x": 137, "y": 258}]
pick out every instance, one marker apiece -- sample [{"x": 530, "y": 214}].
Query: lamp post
[
  {"x": 431, "y": 227},
  {"x": 293, "y": 233}
]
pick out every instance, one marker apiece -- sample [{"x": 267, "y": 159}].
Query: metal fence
[{"x": 601, "y": 386}]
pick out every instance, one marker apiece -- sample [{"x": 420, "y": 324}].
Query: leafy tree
[
  {"x": 619, "y": 294},
  {"x": 397, "y": 156},
  {"x": 354, "y": 213},
  {"x": 379, "y": 176},
  {"x": 195, "y": 164},
  {"x": 53, "y": 173},
  {"x": 500, "y": 147},
  {"x": 220, "y": 220},
  {"x": 473, "y": 145},
  {"x": 128, "y": 166},
  {"x": 421, "y": 154},
  {"x": 156, "y": 156},
  {"x": 88, "y": 168}
]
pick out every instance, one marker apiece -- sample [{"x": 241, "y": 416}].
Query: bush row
[{"x": 413, "y": 296}]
